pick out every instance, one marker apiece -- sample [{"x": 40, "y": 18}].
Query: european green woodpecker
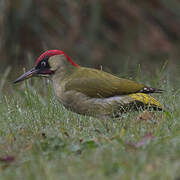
[{"x": 89, "y": 91}]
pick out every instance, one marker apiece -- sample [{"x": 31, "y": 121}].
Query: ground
[{"x": 39, "y": 139}]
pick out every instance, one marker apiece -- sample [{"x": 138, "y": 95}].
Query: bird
[{"x": 91, "y": 92}]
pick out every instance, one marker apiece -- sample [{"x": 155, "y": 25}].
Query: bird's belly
[{"x": 97, "y": 107}]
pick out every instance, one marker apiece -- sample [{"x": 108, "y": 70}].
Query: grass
[{"x": 39, "y": 139}]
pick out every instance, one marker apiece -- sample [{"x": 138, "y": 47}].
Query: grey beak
[{"x": 27, "y": 75}]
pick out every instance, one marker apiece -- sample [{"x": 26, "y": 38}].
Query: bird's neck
[
  {"x": 62, "y": 67},
  {"x": 63, "y": 72}
]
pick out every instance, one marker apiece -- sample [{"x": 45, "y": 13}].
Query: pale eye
[{"x": 43, "y": 64}]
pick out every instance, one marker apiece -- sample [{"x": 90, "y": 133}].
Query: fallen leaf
[
  {"x": 7, "y": 159},
  {"x": 145, "y": 140},
  {"x": 146, "y": 116}
]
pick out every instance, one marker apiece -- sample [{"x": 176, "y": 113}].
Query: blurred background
[{"x": 122, "y": 36}]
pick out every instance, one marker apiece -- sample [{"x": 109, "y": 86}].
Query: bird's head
[{"x": 47, "y": 64}]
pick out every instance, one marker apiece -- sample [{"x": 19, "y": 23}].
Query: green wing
[{"x": 99, "y": 84}]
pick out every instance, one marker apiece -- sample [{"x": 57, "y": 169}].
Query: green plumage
[{"x": 99, "y": 84}]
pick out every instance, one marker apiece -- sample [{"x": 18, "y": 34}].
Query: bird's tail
[{"x": 148, "y": 90}]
